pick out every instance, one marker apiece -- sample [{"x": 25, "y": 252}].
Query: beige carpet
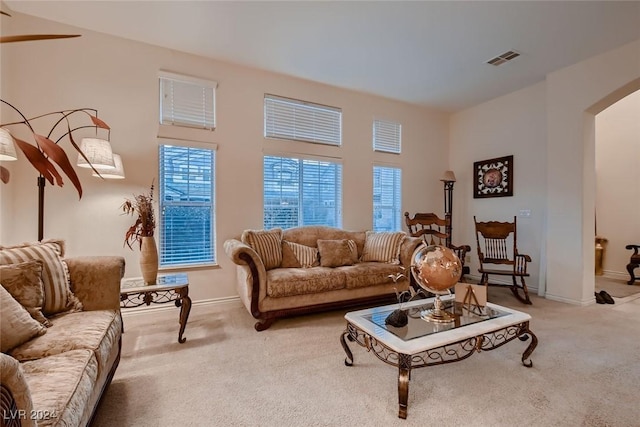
[
  {"x": 617, "y": 287},
  {"x": 585, "y": 373}
]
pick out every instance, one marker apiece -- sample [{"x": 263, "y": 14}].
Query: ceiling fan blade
[{"x": 30, "y": 37}]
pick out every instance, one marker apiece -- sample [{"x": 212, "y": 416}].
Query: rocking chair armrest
[
  {"x": 634, "y": 247},
  {"x": 527, "y": 258}
]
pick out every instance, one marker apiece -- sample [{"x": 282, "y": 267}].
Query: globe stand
[{"x": 437, "y": 314}]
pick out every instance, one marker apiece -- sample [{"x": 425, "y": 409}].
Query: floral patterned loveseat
[
  {"x": 307, "y": 269},
  {"x": 61, "y": 333}
]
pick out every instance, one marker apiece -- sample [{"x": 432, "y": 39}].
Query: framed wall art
[{"x": 493, "y": 177}]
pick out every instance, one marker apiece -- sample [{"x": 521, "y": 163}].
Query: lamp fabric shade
[
  {"x": 448, "y": 176},
  {"x": 7, "y": 147},
  {"x": 108, "y": 173},
  {"x": 99, "y": 153}
]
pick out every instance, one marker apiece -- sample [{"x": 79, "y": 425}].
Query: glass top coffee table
[{"x": 421, "y": 343}]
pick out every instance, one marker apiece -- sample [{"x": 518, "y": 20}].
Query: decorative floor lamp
[
  {"x": 94, "y": 152},
  {"x": 449, "y": 178}
]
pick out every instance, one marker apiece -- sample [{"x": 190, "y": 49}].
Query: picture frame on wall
[{"x": 493, "y": 177}]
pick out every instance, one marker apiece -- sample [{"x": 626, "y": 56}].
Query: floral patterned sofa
[
  {"x": 314, "y": 268},
  {"x": 61, "y": 333}
]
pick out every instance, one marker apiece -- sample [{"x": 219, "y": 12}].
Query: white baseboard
[
  {"x": 617, "y": 275},
  {"x": 155, "y": 308}
]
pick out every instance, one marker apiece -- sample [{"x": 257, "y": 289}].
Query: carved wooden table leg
[
  {"x": 185, "y": 309},
  {"x": 404, "y": 372}
]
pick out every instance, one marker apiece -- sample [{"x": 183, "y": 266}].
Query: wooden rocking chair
[
  {"x": 434, "y": 232},
  {"x": 497, "y": 246},
  {"x": 634, "y": 262}
]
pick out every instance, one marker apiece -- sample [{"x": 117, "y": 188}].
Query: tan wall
[
  {"x": 618, "y": 181},
  {"x": 514, "y": 124},
  {"x": 119, "y": 78},
  {"x": 550, "y": 129}
]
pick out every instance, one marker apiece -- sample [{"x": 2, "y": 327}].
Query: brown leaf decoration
[
  {"x": 57, "y": 154},
  {"x": 4, "y": 174},
  {"x": 39, "y": 161},
  {"x": 96, "y": 121}
]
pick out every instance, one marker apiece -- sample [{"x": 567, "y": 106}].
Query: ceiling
[{"x": 431, "y": 53}]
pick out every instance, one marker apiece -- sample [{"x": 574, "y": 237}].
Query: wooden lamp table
[{"x": 168, "y": 288}]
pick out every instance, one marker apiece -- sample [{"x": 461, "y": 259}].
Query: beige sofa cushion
[
  {"x": 366, "y": 274},
  {"x": 96, "y": 330},
  {"x": 61, "y": 387},
  {"x": 16, "y": 324},
  {"x": 285, "y": 282},
  {"x": 383, "y": 246},
  {"x": 336, "y": 253},
  {"x": 267, "y": 244},
  {"x": 55, "y": 275},
  {"x": 24, "y": 283}
]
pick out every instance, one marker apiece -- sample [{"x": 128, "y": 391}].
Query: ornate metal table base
[
  {"x": 453, "y": 352},
  {"x": 172, "y": 291}
]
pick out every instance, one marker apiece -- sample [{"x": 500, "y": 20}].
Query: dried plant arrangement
[{"x": 145, "y": 225}]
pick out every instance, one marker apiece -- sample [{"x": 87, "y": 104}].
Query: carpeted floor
[
  {"x": 617, "y": 287},
  {"x": 585, "y": 373}
]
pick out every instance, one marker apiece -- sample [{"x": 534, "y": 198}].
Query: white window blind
[
  {"x": 387, "y": 203},
  {"x": 186, "y": 101},
  {"x": 387, "y": 136},
  {"x": 301, "y": 121},
  {"x": 302, "y": 192},
  {"x": 187, "y": 209}
]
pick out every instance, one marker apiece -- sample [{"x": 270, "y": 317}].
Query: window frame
[
  {"x": 396, "y": 195},
  {"x": 299, "y": 179},
  {"x": 382, "y": 140},
  {"x": 162, "y": 204},
  {"x": 205, "y": 84},
  {"x": 304, "y": 108}
]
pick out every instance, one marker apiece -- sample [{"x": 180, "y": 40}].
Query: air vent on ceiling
[{"x": 505, "y": 57}]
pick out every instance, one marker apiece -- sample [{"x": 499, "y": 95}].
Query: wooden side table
[{"x": 168, "y": 288}]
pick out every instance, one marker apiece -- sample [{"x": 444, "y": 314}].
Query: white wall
[
  {"x": 514, "y": 124},
  {"x": 550, "y": 129},
  {"x": 618, "y": 182},
  {"x": 119, "y": 78},
  {"x": 574, "y": 95}
]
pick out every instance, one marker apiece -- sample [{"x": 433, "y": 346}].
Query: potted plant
[{"x": 142, "y": 232}]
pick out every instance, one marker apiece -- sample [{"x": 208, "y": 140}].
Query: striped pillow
[
  {"x": 55, "y": 274},
  {"x": 383, "y": 246},
  {"x": 306, "y": 255},
  {"x": 268, "y": 245}
]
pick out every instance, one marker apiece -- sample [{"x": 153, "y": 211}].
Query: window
[
  {"x": 302, "y": 192},
  {"x": 387, "y": 187},
  {"x": 187, "y": 208},
  {"x": 301, "y": 121},
  {"x": 187, "y": 101},
  {"x": 387, "y": 136}
]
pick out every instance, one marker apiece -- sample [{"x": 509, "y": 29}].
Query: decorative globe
[{"x": 436, "y": 268}]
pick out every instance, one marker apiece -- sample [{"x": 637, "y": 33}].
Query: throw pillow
[
  {"x": 16, "y": 325},
  {"x": 289, "y": 259},
  {"x": 336, "y": 253},
  {"x": 383, "y": 246},
  {"x": 55, "y": 275},
  {"x": 305, "y": 256},
  {"x": 24, "y": 282},
  {"x": 268, "y": 245}
]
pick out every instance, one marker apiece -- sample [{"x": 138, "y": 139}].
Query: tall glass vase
[{"x": 149, "y": 260}]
